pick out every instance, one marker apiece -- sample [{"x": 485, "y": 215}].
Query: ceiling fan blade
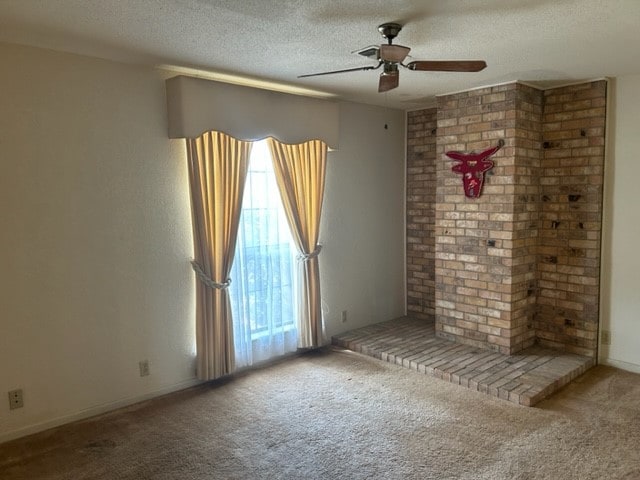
[
  {"x": 368, "y": 67},
  {"x": 393, "y": 53},
  {"x": 447, "y": 65},
  {"x": 388, "y": 81}
]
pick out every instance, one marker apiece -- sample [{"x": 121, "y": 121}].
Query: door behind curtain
[{"x": 263, "y": 283}]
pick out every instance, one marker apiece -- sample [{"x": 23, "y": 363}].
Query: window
[{"x": 264, "y": 268}]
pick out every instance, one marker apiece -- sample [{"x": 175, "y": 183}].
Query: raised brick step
[{"x": 524, "y": 378}]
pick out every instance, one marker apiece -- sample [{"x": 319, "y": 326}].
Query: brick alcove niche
[{"x": 519, "y": 265}]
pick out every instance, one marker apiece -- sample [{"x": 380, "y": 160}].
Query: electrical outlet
[
  {"x": 344, "y": 316},
  {"x": 15, "y": 399},
  {"x": 144, "y": 368},
  {"x": 605, "y": 337}
]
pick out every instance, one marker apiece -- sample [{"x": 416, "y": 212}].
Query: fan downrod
[{"x": 389, "y": 30}]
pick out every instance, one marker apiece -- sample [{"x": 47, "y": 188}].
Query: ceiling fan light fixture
[{"x": 394, "y": 53}]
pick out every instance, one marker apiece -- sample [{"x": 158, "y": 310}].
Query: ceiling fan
[{"x": 390, "y": 57}]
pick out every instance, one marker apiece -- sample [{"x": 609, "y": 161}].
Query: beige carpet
[{"x": 340, "y": 415}]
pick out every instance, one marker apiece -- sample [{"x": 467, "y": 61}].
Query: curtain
[
  {"x": 262, "y": 292},
  {"x": 217, "y": 171},
  {"x": 300, "y": 173}
]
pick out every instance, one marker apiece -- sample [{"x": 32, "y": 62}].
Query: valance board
[{"x": 196, "y": 105}]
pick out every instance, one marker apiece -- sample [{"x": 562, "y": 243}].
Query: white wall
[
  {"x": 362, "y": 229},
  {"x": 620, "y": 311},
  {"x": 96, "y": 237}
]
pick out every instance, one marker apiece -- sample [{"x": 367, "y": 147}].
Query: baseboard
[
  {"x": 93, "y": 411},
  {"x": 630, "y": 367}
]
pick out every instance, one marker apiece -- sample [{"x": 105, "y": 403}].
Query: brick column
[
  {"x": 524, "y": 230},
  {"x": 486, "y": 247},
  {"x": 421, "y": 197}
]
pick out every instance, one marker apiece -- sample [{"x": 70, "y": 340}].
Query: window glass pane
[{"x": 263, "y": 274}]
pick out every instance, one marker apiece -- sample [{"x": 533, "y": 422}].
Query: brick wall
[
  {"x": 571, "y": 180},
  {"x": 519, "y": 263},
  {"x": 524, "y": 234},
  {"x": 421, "y": 195},
  {"x": 475, "y": 237}
]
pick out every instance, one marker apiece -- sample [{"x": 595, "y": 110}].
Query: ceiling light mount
[{"x": 389, "y": 30}]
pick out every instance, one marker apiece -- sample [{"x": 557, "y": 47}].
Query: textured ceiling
[{"x": 544, "y": 42}]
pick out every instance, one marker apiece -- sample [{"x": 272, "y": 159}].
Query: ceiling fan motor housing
[{"x": 390, "y": 68}]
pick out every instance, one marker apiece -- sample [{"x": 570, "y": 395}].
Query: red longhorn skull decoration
[{"x": 473, "y": 166}]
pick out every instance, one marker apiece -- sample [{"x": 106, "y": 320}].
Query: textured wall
[
  {"x": 621, "y": 228},
  {"x": 96, "y": 235},
  {"x": 362, "y": 259}
]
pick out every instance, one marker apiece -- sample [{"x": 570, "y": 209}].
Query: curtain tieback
[
  {"x": 206, "y": 279},
  {"x": 303, "y": 257}
]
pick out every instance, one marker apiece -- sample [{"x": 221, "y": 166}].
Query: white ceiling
[{"x": 544, "y": 42}]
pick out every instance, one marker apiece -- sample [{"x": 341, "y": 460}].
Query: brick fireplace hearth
[{"x": 520, "y": 265}]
